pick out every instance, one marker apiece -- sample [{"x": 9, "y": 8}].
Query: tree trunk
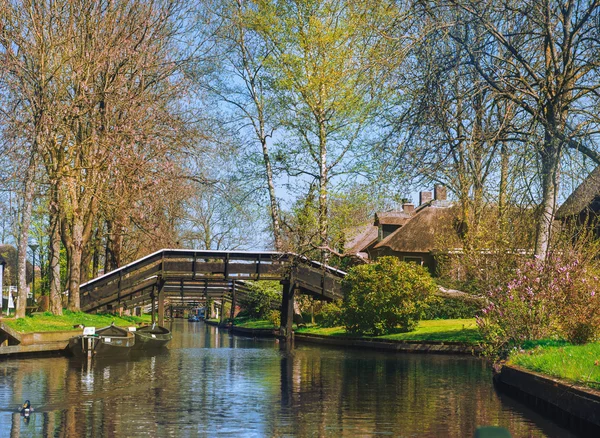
[
  {"x": 75, "y": 257},
  {"x": 54, "y": 261},
  {"x": 550, "y": 167},
  {"x": 114, "y": 243},
  {"x": 323, "y": 180},
  {"x": 29, "y": 188},
  {"x": 273, "y": 199}
]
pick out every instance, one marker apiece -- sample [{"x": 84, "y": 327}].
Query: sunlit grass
[
  {"x": 439, "y": 330},
  {"x": 577, "y": 363},
  {"x": 45, "y": 322},
  {"x": 256, "y": 324}
]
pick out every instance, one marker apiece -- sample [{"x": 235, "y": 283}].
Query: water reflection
[{"x": 210, "y": 383}]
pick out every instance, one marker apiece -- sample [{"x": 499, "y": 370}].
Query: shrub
[
  {"x": 385, "y": 295},
  {"x": 262, "y": 296},
  {"x": 274, "y": 317},
  {"x": 446, "y": 307},
  {"x": 330, "y": 315}
]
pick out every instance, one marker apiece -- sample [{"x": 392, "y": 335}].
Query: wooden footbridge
[{"x": 180, "y": 275}]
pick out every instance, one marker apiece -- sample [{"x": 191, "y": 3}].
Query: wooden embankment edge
[
  {"x": 569, "y": 405},
  {"x": 431, "y": 347},
  {"x": 35, "y": 349},
  {"x": 255, "y": 333},
  {"x": 35, "y": 343},
  {"x": 398, "y": 346}
]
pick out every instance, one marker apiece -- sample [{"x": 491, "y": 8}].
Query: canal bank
[{"x": 570, "y": 405}]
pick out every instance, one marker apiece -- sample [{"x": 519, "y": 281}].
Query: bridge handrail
[{"x": 273, "y": 255}]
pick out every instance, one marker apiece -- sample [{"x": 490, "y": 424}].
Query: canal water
[{"x": 210, "y": 383}]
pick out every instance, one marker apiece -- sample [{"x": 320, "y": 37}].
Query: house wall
[{"x": 428, "y": 260}]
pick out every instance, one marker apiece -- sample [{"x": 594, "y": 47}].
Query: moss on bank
[
  {"x": 46, "y": 322},
  {"x": 576, "y": 363}
]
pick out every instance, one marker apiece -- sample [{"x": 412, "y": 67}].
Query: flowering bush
[{"x": 558, "y": 296}]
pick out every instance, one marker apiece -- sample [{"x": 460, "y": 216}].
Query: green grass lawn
[
  {"x": 46, "y": 322},
  {"x": 441, "y": 330},
  {"x": 577, "y": 363},
  {"x": 255, "y": 324}
]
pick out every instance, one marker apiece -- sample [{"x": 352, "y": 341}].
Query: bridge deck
[{"x": 203, "y": 274}]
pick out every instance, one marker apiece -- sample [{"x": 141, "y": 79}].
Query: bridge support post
[
  {"x": 222, "y": 315},
  {"x": 232, "y": 310},
  {"x": 161, "y": 304},
  {"x": 287, "y": 310},
  {"x": 153, "y": 307}
]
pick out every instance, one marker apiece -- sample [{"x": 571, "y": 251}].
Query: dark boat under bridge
[{"x": 183, "y": 276}]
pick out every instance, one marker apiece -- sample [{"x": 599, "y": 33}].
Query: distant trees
[{"x": 95, "y": 85}]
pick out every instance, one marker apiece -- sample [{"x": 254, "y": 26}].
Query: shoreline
[{"x": 568, "y": 404}]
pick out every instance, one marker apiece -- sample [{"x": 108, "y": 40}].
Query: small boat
[
  {"x": 151, "y": 336},
  {"x": 107, "y": 341},
  {"x": 193, "y": 318}
]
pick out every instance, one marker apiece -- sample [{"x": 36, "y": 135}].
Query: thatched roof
[
  {"x": 582, "y": 197},
  {"x": 392, "y": 218},
  {"x": 363, "y": 236},
  {"x": 421, "y": 233}
]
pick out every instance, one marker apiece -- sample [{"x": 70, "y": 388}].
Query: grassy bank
[
  {"x": 576, "y": 363},
  {"x": 440, "y": 330},
  {"x": 254, "y": 323},
  {"x": 46, "y": 322}
]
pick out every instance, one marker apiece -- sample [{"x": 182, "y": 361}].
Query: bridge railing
[{"x": 197, "y": 267}]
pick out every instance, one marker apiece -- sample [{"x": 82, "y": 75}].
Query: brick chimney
[
  {"x": 408, "y": 207},
  {"x": 424, "y": 197},
  {"x": 439, "y": 192}
]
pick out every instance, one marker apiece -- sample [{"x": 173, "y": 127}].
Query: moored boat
[
  {"x": 152, "y": 336},
  {"x": 108, "y": 341}
]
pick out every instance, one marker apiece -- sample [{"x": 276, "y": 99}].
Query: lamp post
[{"x": 34, "y": 247}]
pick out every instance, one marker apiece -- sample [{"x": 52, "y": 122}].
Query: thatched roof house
[
  {"x": 584, "y": 200},
  {"x": 421, "y": 236},
  {"x": 411, "y": 234},
  {"x": 363, "y": 237}
]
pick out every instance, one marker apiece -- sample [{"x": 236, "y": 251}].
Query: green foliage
[
  {"x": 441, "y": 330},
  {"x": 330, "y": 315},
  {"x": 385, "y": 295},
  {"x": 274, "y": 317},
  {"x": 577, "y": 363},
  {"x": 444, "y": 307},
  {"x": 43, "y": 322},
  {"x": 261, "y": 298}
]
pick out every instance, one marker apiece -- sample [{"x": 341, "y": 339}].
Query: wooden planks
[{"x": 201, "y": 273}]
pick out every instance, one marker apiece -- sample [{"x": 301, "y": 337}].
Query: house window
[{"x": 417, "y": 260}]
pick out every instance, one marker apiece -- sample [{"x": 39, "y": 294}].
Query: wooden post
[
  {"x": 287, "y": 310},
  {"x": 161, "y": 304},
  {"x": 232, "y": 310},
  {"x": 153, "y": 308},
  {"x": 222, "y": 315}
]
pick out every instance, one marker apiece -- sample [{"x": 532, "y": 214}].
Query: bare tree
[{"x": 541, "y": 55}]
